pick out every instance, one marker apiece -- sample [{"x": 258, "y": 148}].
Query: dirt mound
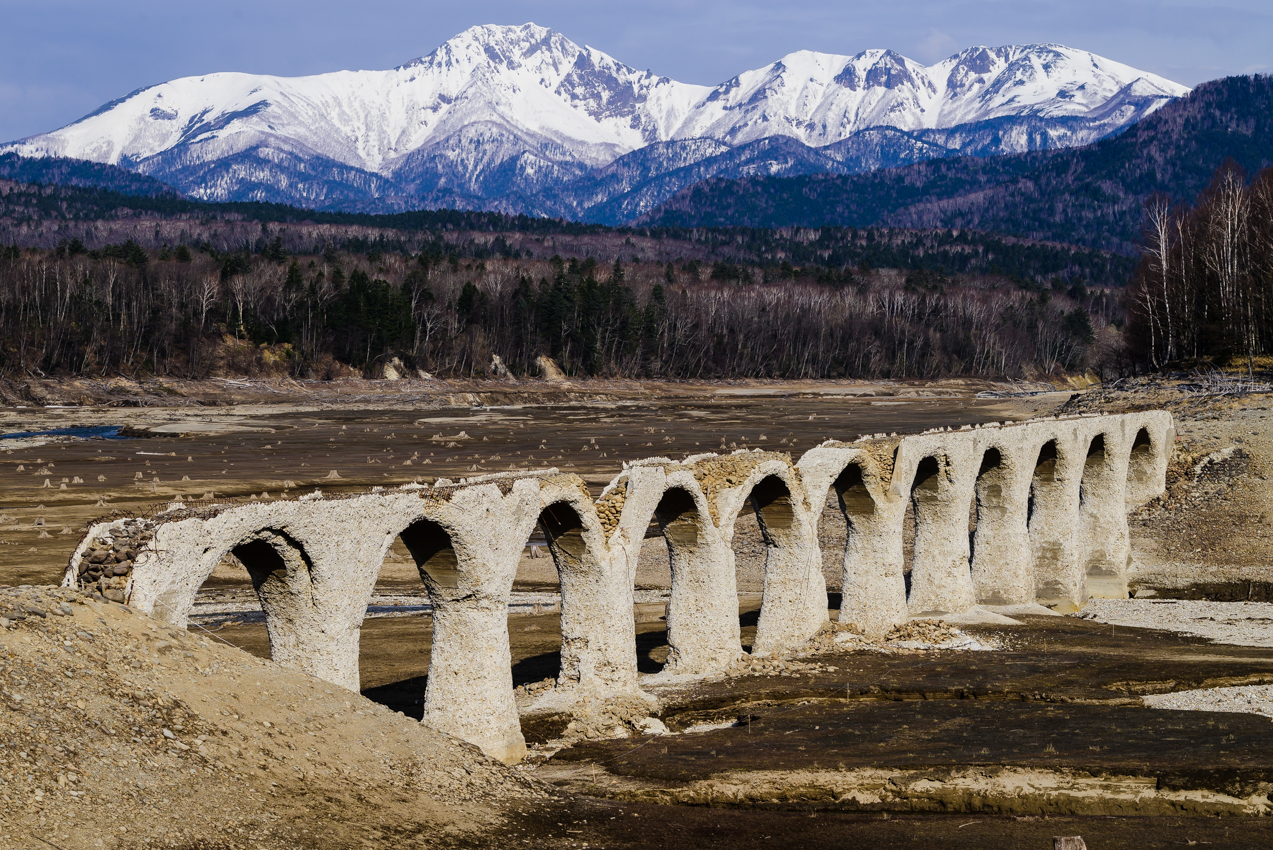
[{"x": 117, "y": 731}]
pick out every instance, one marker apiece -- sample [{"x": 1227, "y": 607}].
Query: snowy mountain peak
[
  {"x": 526, "y": 47},
  {"x": 499, "y": 109}
]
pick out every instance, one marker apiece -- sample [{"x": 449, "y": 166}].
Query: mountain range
[
  {"x": 522, "y": 120},
  {"x": 1089, "y": 195}
]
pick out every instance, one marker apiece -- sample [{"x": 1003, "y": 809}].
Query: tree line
[
  {"x": 1204, "y": 286},
  {"x": 192, "y": 311}
]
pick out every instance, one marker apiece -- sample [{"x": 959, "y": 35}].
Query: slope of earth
[
  {"x": 119, "y": 732},
  {"x": 1089, "y": 195}
]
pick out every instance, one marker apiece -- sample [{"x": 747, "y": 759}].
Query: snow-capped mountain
[
  {"x": 514, "y": 117},
  {"x": 821, "y": 98}
]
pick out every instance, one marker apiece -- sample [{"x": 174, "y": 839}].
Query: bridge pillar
[
  {"x": 1105, "y": 554},
  {"x": 702, "y": 617},
  {"x": 794, "y": 593},
  {"x": 467, "y": 551},
  {"x": 1054, "y": 521},
  {"x": 873, "y": 589},
  {"x": 941, "y": 490},
  {"x": 598, "y": 630},
  {"x": 1001, "y": 563}
]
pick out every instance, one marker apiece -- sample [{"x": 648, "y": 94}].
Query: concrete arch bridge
[{"x": 1050, "y": 499}]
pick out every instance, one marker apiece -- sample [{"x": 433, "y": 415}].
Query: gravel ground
[
  {"x": 1237, "y": 623},
  {"x": 1247, "y": 699}
]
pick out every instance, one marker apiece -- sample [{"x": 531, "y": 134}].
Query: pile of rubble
[{"x": 106, "y": 565}]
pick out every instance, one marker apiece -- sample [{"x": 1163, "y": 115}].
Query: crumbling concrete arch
[
  {"x": 316, "y": 559},
  {"x": 598, "y": 652},
  {"x": 1106, "y": 547},
  {"x": 873, "y": 589},
  {"x": 794, "y": 593},
  {"x": 293, "y": 563},
  {"x": 467, "y": 548},
  {"x": 703, "y": 630},
  {"x": 1001, "y": 566},
  {"x": 1140, "y": 463},
  {"x": 282, "y": 575},
  {"x": 702, "y": 620},
  {"x": 1150, "y": 451},
  {"x": 1053, "y": 515},
  {"x": 938, "y": 476}
]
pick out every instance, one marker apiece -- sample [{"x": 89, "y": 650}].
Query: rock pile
[
  {"x": 27, "y": 602},
  {"x": 530, "y": 690},
  {"x": 107, "y": 563},
  {"x": 905, "y": 638},
  {"x": 752, "y": 665},
  {"x": 610, "y": 508},
  {"x": 612, "y": 717},
  {"x": 923, "y": 631}
]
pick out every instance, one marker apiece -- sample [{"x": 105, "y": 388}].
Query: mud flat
[
  {"x": 1048, "y": 734},
  {"x": 1032, "y": 728}
]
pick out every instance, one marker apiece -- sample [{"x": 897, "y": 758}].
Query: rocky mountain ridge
[
  {"x": 521, "y": 119},
  {"x": 1090, "y": 195}
]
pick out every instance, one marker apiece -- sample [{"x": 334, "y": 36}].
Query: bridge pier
[
  {"x": 1105, "y": 554},
  {"x": 1001, "y": 562},
  {"x": 941, "y": 491},
  {"x": 598, "y": 633},
  {"x": 702, "y": 618},
  {"x": 1053, "y": 524},
  {"x": 793, "y": 593}
]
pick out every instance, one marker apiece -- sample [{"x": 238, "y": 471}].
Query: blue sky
[{"x": 60, "y": 59}]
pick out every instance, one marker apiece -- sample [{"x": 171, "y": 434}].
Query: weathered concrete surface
[{"x": 1050, "y": 499}]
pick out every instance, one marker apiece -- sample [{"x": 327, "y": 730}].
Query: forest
[
  {"x": 1204, "y": 287},
  {"x": 194, "y": 311}
]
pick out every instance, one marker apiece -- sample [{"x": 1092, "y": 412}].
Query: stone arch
[
  {"x": 702, "y": 621},
  {"x": 281, "y": 575},
  {"x": 1105, "y": 553},
  {"x": 281, "y": 572},
  {"x": 988, "y": 494},
  {"x": 873, "y": 588},
  {"x": 794, "y": 593},
  {"x": 598, "y": 640},
  {"x": 1093, "y": 468},
  {"x": 1000, "y": 544},
  {"x": 1142, "y": 463},
  {"x": 1052, "y": 516},
  {"x": 1150, "y": 451},
  {"x": 434, "y": 555},
  {"x": 432, "y": 559},
  {"x": 941, "y": 580}
]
